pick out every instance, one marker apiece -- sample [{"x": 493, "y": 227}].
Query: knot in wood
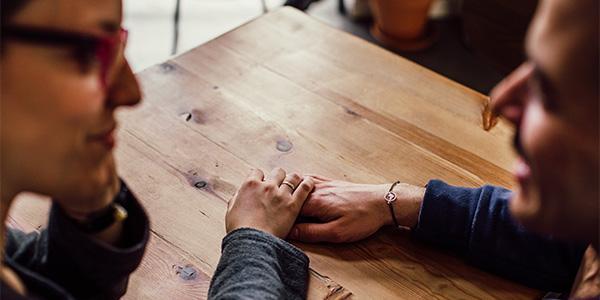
[
  {"x": 200, "y": 184},
  {"x": 187, "y": 273},
  {"x": 284, "y": 146}
]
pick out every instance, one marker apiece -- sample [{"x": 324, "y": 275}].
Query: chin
[
  {"x": 527, "y": 211},
  {"x": 106, "y": 171},
  {"x": 534, "y": 216},
  {"x": 95, "y": 174}
]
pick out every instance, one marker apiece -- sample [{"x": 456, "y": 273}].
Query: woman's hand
[
  {"x": 269, "y": 204},
  {"x": 349, "y": 212}
]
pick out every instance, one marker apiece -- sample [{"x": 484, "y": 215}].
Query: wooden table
[{"x": 288, "y": 91}]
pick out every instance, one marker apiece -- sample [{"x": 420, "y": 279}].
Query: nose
[
  {"x": 124, "y": 89},
  {"x": 509, "y": 96}
]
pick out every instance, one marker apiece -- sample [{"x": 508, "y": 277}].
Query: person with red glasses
[{"x": 63, "y": 76}]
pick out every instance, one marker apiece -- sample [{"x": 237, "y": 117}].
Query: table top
[{"x": 288, "y": 91}]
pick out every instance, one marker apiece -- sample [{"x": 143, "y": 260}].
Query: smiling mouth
[
  {"x": 522, "y": 168},
  {"x": 106, "y": 138}
]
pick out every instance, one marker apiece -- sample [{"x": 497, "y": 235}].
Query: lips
[
  {"x": 105, "y": 138},
  {"x": 522, "y": 173}
]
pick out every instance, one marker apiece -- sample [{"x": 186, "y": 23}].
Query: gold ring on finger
[{"x": 291, "y": 185}]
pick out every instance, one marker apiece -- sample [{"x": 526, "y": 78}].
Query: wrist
[
  {"x": 377, "y": 196},
  {"x": 407, "y": 205},
  {"x": 389, "y": 197}
]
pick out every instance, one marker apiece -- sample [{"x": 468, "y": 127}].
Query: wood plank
[
  {"x": 167, "y": 272},
  {"x": 29, "y": 212},
  {"x": 387, "y": 84},
  {"x": 401, "y": 268},
  {"x": 271, "y": 117}
]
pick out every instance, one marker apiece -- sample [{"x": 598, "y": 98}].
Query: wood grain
[{"x": 287, "y": 91}]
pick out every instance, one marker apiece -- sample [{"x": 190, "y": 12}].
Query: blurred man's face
[{"x": 552, "y": 99}]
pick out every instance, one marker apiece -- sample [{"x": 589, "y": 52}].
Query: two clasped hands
[{"x": 342, "y": 211}]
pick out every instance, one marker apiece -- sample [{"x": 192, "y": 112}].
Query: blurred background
[{"x": 478, "y": 41}]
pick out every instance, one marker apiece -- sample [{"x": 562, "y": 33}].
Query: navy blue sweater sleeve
[
  {"x": 258, "y": 265},
  {"x": 478, "y": 224}
]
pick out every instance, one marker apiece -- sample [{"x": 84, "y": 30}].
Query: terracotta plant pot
[{"x": 403, "y": 24}]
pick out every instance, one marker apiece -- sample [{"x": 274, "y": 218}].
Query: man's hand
[{"x": 349, "y": 212}]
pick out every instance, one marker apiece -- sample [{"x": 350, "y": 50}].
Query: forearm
[
  {"x": 257, "y": 265},
  {"x": 478, "y": 224}
]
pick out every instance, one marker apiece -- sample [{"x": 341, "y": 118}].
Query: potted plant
[{"x": 403, "y": 24}]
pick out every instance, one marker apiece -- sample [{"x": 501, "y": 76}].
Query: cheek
[
  {"x": 45, "y": 114},
  {"x": 46, "y": 96},
  {"x": 543, "y": 138},
  {"x": 48, "y": 111},
  {"x": 540, "y": 138},
  {"x": 564, "y": 165}
]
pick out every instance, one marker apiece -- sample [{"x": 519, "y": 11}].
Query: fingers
[
  {"x": 313, "y": 232},
  {"x": 276, "y": 176},
  {"x": 232, "y": 201},
  {"x": 316, "y": 178},
  {"x": 256, "y": 174},
  {"x": 315, "y": 205},
  {"x": 304, "y": 188},
  {"x": 291, "y": 182}
]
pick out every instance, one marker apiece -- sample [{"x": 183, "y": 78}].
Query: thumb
[{"x": 312, "y": 232}]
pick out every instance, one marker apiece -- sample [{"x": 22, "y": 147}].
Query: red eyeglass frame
[{"x": 105, "y": 48}]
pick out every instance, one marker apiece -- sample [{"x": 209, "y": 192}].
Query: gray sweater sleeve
[{"x": 258, "y": 265}]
